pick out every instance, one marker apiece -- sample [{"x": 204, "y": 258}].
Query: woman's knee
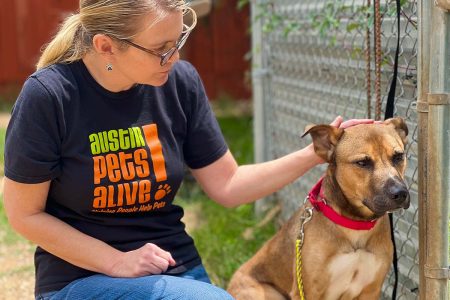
[
  {"x": 155, "y": 287},
  {"x": 170, "y": 287}
]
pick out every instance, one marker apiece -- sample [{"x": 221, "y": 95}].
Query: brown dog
[{"x": 363, "y": 182}]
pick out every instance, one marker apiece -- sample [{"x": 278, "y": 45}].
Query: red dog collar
[{"x": 318, "y": 201}]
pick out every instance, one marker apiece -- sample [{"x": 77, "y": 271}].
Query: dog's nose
[{"x": 397, "y": 193}]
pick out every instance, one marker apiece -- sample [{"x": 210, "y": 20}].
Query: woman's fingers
[
  {"x": 164, "y": 254},
  {"x": 337, "y": 122},
  {"x": 157, "y": 265},
  {"x": 157, "y": 259},
  {"x": 354, "y": 122},
  {"x": 149, "y": 259}
]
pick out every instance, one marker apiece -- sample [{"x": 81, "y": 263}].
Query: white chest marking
[{"x": 350, "y": 273}]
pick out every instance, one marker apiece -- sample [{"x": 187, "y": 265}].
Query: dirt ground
[
  {"x": 4, "y": 119},
  {"x": 16, "y": 271}
]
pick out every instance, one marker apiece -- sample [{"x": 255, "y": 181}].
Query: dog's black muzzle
[
  {"x": 397, "y": 193},
  {"x": 393, "y": 196}
]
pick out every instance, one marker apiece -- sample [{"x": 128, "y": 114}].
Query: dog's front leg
[{"x": 245, "y": 287}]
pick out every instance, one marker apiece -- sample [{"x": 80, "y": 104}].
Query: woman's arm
[
  {"x": 25, "y": 208},
  {"x": 231, "y": 185}
]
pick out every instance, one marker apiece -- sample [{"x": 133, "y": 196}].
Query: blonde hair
[{"x": 119, "y": 19}]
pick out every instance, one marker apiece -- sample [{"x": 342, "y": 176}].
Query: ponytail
[
  {"x": 66, "y": 46},
  {"x": 119, "y": 19}
]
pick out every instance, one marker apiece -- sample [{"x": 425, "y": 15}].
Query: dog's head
[{"x": 367, "y": 162}]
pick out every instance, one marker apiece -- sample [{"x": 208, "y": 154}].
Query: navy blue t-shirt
[{"x": 115, "y": 160}]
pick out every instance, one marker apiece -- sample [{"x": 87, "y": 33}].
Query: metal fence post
[
  {"x": 316, "y": 70},
  {"x": 435, "y": 268},
  {"x": 257, "y": 84},
  {"x": 259, "y": 74},
  {"x": 423, "y": 73}
]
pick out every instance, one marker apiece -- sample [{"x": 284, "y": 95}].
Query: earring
[{"x": 109, "y": 67}]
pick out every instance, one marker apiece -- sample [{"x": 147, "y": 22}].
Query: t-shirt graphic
[
  {"x": 115, "y": 160},
  {"x": 122, "y": 169}
]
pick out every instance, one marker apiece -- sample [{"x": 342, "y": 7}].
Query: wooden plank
[{"x": 8, "y": 42}]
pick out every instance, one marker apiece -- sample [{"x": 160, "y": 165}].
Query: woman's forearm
[
  {"x": 67, "y": 243},
  {"x": 252, "y": 182},
  {"x": 232, "y": 185}
]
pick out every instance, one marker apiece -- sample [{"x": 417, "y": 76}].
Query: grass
[
  {"x": 219, "y": 240},
  {"x": 7, "y": 235},
  {"x": 2, "y": 149}
]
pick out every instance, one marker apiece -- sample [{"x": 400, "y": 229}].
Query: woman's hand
[
  {"x": 147, "y": 260},
  {"x": 338, "y": 122}
]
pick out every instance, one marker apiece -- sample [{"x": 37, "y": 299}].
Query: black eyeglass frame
[
  {"x": 178, "y": 45},
  {"x": 169, "y": 53}
]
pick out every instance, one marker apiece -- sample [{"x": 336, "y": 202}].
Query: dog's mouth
[{"x": 381, "y": 204}]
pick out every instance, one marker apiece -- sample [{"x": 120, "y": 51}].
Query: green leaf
[
  {"x": 291, "y": 26},
  {"x": 353, "y": 26},
  {"x": 356, "y": 52},
  {"x": 333, "y": 41},
  {"x": 242, "y": 3}
]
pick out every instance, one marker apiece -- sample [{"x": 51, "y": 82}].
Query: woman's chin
[{"x": 159, "y": 80}]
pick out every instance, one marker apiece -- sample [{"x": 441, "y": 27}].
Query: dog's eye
[
  {"x": 398, "y": 158},
  {"x": 364, "y": 163}
]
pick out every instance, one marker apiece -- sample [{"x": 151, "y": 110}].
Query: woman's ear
[{"x": 103, "y": 44}]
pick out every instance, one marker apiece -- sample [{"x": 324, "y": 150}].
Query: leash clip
[
  {"x": 306, "y": 200},
  {"x": 305, "y": 218}
]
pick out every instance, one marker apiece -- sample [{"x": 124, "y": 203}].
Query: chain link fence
[{"x": 313, "y": 52}]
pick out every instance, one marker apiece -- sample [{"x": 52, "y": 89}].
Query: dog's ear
[
  {"x": 325, "y": 139},
  {"x": 400, "y": 126}
]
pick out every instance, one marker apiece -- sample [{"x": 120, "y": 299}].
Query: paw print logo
[{"x": 162, "y": 191}]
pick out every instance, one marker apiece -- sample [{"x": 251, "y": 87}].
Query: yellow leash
[
  {"x": 298, "y": 251},
  {"x": 305, "y": 218}
]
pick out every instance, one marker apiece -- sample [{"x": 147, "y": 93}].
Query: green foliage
[
  {"x": 219, "y": 237},
  {"x": 334, "y": 18},
  {"x": 220, "y": 241},
  {"x": 8, "y": 96},
  {"x": 238, "y": 133},
  {"x": 7, "y": 235},
  {"x": 242, "y": 3},
  {"x": 329, "y": 18},
  {"x": 272, "y": 20},
  {"x": 2, "y": 149},
  {"x": 328, "y": 21}
]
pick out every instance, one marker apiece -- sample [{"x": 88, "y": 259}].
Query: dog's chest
[{"x": 351, "y": 272}]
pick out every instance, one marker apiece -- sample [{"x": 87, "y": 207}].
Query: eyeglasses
[{"x": 165, "y": 56}]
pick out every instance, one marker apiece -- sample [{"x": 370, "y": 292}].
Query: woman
[{"x": 95, "y": 152}]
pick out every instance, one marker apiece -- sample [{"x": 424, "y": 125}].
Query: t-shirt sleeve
[
  {"x": 32, "y": 145},
  {"x": 204, "y": 142}
]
